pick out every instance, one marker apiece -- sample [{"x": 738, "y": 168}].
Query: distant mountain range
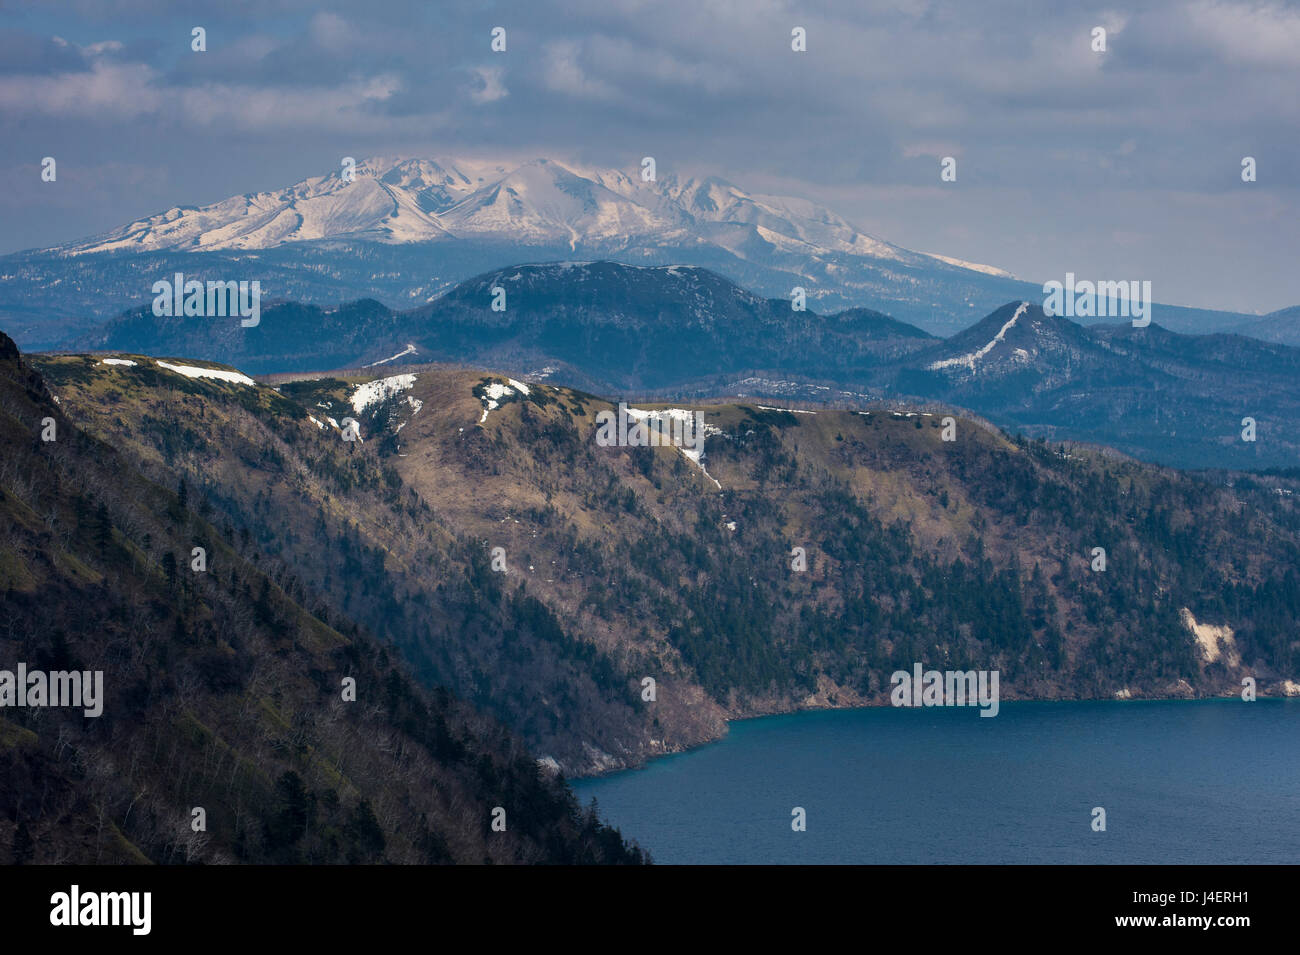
[
  {"x": 1282, "y": 326},
  {"x": 404, "y": 231},
  {"x": 615, "y": 329},
  {"x": 607, "y": 326}
]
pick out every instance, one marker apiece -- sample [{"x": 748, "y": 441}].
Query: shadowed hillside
[{"x": 224, "y": 684}]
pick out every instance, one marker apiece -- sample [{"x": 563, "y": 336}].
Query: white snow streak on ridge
[
  {"x": 119, "y": 361},
  {"x": 189, "y": 371},
  {"x": 409, "y": 350},
  {"x": 973, "y": 266},
  {"x": 373, "y": 391},
  {"x": 695, "y": 457},
  {"x": 969, "y": 360}
]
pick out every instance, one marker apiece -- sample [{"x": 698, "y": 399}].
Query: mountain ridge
[{"x": 610, "y": 328}]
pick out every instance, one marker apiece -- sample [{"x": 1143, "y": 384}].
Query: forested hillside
[
  {"x": 232, "y": 696},
  {"x": 618, "y": 565}
]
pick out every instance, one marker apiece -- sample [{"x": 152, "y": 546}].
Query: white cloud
[
  {"x": 104, "y": 46},
  {"x": 340, "y": 107},
  {"x": 564, "y": 74},
  {"x": 117, "y": 91},
  {"x": 106, "y": 90},
  {"x": 1254, "y": 34},
  {"x": 493, "y": 88}
]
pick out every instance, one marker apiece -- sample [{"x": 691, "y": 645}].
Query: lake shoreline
[
  {"x": 840, "y": 708},
  {"x": 1047, "y": 782}
]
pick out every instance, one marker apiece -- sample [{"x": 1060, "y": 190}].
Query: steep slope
[
  {"x": 338, "y": 517},
  {"x": 906, "y": 536},
  {"x": 480, "y": 526},
  {"x": 222, "y": 690}
]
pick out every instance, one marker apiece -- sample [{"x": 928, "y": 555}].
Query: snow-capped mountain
[
  {"x": 393, "y": 202},
  {"x": 405, "y": 231},
  {"x": 541, "y": 201}
]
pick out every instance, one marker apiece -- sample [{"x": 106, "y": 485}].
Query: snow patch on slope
[
  {"x": 495, "y": 392},
  {"x": 374, "y": 391},
  {"x": 680, "y": 414},
  {"x": 416, "y": 404},
  {"x": 190, "y": 371}
]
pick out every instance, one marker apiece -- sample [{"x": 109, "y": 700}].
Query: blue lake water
[{"x": 1182, "y": 782}]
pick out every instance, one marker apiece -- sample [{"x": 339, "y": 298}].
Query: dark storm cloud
[{"x": 1066, "y": 157}]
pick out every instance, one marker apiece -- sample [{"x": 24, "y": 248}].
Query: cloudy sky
[{"x": 1125, "y": 164}]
